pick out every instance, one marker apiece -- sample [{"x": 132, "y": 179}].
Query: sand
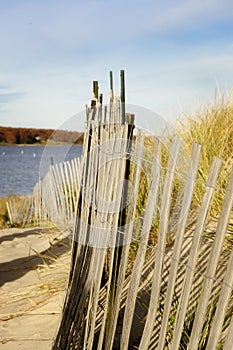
[{"x": 34, "y": 264}]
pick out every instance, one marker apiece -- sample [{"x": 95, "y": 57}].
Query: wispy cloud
[
  {"x": 182, "y": 14},
  {"x": 4, "y": 86},
  {"x": 10, "y": 96},
  {"x": 171, "y": 50},
  {"x": 76, "y": 25}
]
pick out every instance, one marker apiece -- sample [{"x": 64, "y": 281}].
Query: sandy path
[{"x": 33, "y": 269}]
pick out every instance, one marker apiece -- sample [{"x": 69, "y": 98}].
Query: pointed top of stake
[
  {"x": 111, "y": 86},
  {"x": 95, "y": 89},
  {"x": 123, "y": 95},
  {"x": 111, "y": 81}
]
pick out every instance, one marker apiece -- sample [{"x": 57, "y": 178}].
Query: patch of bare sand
[{"x": 34, "y": 264}]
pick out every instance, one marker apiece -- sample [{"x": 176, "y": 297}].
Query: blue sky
[{"x": 175, "y": 53}]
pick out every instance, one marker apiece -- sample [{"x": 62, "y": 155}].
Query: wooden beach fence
[
  {"x": 173, "y": 294},
  {"x": 143, "y": 273},
  {"x": 53, "y": 199}
]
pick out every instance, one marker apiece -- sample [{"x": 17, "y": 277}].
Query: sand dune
[{"x": 33, "y": 270}]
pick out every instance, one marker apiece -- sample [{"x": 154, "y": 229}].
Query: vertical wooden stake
[
  {"x": 123, "y": 96},
  {"x": 95, "y": 93},
  {"x": 111, "y": 83},
  {"x": 101, "y": 99},
  {"x": 95, "y": 89}
]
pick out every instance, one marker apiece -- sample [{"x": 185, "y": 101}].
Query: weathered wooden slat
[
  {"x": 97, "y": 260},
  {"x": 9, "y": 213},
  {"x": 137, "y": 157},
  {"x": 64, "y": 188},
  {"x": 113, "y": 220},
  {"x": 199, "y": 227},
  {"x": 212, "y": 264},
  {"x": 229, "y": 339},
  {"x": 105, "y": 218},
  {"x": 226, "y": 292},
  {"x": 138, "y": 265},
  {"x": 163, "y": 226},
  {"x": 90, "y": 193},
  {"x": 68, "y": 184},
  {"x": 188, "y": 193},
  {"x": 99, "y": 228}
]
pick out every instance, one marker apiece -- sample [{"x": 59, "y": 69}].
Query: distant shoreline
[
  {"x": 39, "y": 144},
  {"x": 33, "y": 137}
]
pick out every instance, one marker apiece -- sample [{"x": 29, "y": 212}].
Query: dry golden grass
[
  {"x": 52, "y": 278},
  {"x": 212, "y": 127},
  {"x": 2, "y": 212},
  {"x": 4, "y": 219}
]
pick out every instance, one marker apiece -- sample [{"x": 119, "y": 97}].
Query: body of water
[{"x": 22, "y": 166}]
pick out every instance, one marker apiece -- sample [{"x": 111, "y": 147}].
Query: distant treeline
[{"x": 13, "y": 136}]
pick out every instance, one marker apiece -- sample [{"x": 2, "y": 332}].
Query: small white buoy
[
  {"x": 3, "y": 153},
  {"x": 22, "y": 152},
  {"x": 34, "y": 154}
]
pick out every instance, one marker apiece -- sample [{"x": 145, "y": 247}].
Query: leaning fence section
[
  {"x": 144, "y": 273},
  {"x": 53, "y": 199}
]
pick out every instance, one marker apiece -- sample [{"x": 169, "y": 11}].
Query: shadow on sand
[{"x": 14, "y": 269}]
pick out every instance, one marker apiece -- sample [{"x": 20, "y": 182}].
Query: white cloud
[
  {"x": 161, "y": 87},
  {"x": 53, "y": 50},
  {"x": 181, "y": 14},
  {"x": 73, "y": 25}
]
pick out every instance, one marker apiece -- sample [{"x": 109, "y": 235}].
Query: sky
[{"x": 176, "y": 56}]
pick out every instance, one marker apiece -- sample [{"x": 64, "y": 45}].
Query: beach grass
[
  {"x": 51, "y": 267},
  {"x": 4, "y": 217},
  {"x": 212, "y": 127}
]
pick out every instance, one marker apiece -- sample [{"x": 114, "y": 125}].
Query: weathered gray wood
[
  {"x": 105, "y": 218},
  {"x": 229, "y": 339},
  {"x": 28, "y": 212},
  {"x": 98, "y": 257},
  {"x": 137, "y": 157},
  {"x": 199, "y": 227},
  {"x": 123, "y": 96},
  {"x": 212, "y": 264},
  {"x": 188, "y": 193},
  {"x": 89, "y": 215},
  {"x": 119, "y": 149},
  {"x": 55, "y": 194},
  {"x": 226, "y": 292},
  {"x": 64, "y": 187},
  {"x": 9, "y": 213},
  {"x": 93, "y": 186},
  {"x": 69, "y": 184},
  {"x": 138, "y": 265},
  {"x": 163, "y": 225}
]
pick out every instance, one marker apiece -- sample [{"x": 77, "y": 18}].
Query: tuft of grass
[
  {"x": 52, "y": 278},
  {"x": 212, "y": 127},
  {"x": 4, "y": 218}
]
